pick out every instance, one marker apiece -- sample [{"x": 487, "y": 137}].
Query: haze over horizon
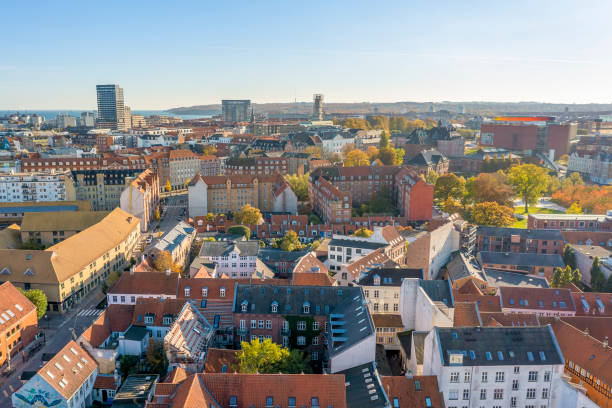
[{"x": 202, "y": 52}]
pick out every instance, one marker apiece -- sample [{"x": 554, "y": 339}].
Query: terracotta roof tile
[
  {"x": 217, "y": 359},
  {"x": 411, "y": 392},
  {"x": 312, "y": 279},
  {"x": 469, "y": 287},
  {"x": 509, "y": 319},
  {"x": 11, "y": 299},
  {"x": 157, "y": 308},
  {"x": 466, "y": 314},
  {"x": 116, "y": 318},
  {"x": 175, "y": 376},
  {"x": 146, "y": 283},
  {"x": 559, "y": 300},
  {"x": 105, "y": 382},
  {"x": 485, "y": 303},
  {"x": 593, "y": 304}
]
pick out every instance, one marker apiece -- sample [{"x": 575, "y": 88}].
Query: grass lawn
[{"x": 532, "y": 210}]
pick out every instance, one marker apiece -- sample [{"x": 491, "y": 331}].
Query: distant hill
[{"x": 404, "y": 107}]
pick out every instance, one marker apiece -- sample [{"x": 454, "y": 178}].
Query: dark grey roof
[
  {"x": 438, "y": 291},
  {"x": 278, "y": 255},
  {"x": 355, "y": 244},
  {"x": 418, "y": 337},
  {"x": 350, "y": 323},
  {"x": 497, "y": 278},
  {"x": 405, "y": 339},
  {"x": 552, "y": 235},
  {"x": 364, "y": 387},
  {"x": 461, "y": 267},
  {"x": 521, "y": 259},
  {"x": 427, "y": 158},
  {"x": 135, "y": 391},
  {"x": 497, "y": 346},
  {"x": 221, "y": 236},
  {"x": 137, "y": 333},
  {"x": 390, "y": 276},
  {"x": 221, "y": 248}
]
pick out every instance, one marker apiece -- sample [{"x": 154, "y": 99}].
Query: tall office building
[
  {"x": 236, "y": 110},
  {"x": 317, "y": 107},
  {"x": 111, "y": 108}
]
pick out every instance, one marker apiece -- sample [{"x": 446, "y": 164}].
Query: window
[
  {"x": 222, "y": 292},
  {"x": 483, "y": 394},
  {"x": 395, "y": 403},
  {"x": 547, "y": 376},
  {"x": 533, "y": 376},
  {"x": 517, "y": 369},
  {"x": 515, "y": 385},
  {"x": 485, "y": 377},
  {"x": 233, "y": 402},
  {"x": 499, "y": 376},
  {"x": 268, "y": 324},
  {"x": 467, "y": 376},
  {"x": 291, "y": 403},
  {"x": 454, "y": 377},
  {"x": 498, "y": 393},
  {"x": 269, "y": 401},
  {"x": 314, "y": 402},
  {"x": 453, "y": 394},
  {"x": 261, "y": 324},
  {"x": 466, "y": 394},
  {"x": 315, "y": 341},
  {"x": 428, "y": 402},
  {"x": 513, "y": 402},
  {"x": 253, "y": 324},
  {"x": 314, "y": 356},
  {"x": 417, "y": 385},
  {"x": 187, "y": 291},
  {"x": 306, "y": 308},
  {"x": 244, "y": 307},
  {"x": 301, "y": 341},
  {"x": 544, "y": 393},
  {"x": 315, "y": 325},
  {"x": 301, "y": 325},
  {"x": 531, "y": 393},
  {"x": 204, "y": 292}
]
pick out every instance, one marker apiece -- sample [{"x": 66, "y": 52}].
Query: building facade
[
  {"x": 236, "y": 110},
  {"x": 28, "y": 187},
  {"x": 141, "y": 198},
  {"x": 111, "y": 108}
]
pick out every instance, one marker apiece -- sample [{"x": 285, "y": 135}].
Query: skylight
[
  {"x": 489, "y": 356},
  {"x": 530, "y": 355}
]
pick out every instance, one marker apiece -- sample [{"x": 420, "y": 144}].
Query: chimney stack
[
  {"x": 132, "y": 270},
  {"x": 605, "y": 342},
  {"x": 167, "y": 272}
]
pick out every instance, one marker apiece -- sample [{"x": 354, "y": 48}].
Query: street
[
  {"x": 58, "y": 331},
  {"x": 173, "y": 211}
]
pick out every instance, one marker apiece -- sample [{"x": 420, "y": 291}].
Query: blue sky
[{"x": 167, "y": 54}]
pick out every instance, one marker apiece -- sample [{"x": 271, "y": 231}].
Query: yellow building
[
  {"x": 49, "y": 228},
  {"x": 69, "y": 270}
]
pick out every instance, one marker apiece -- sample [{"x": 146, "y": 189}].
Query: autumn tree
[
  {"x": 372, "y": 152},
  {"x": 39, "y": 299},
  {"x": 299, "y": 185},
  {"x": 110, "y": 281},
  {"x": 247, "y": 215},
  {"x": 492, "y": 214},
  {"x": 490, "y": 187},
  {"x": 598, "y": 280},
  {"x": 163, "y": 261},
  {"x": 209, "y": 150},
  {"x": 356, "y": 158},
  {"x": 431, "y": 177},
  {"x": 574, "y": 209},
  {"x": 384, "y": 141},
  {"x": 399, "y": 155},
  {"x": 529, "y": 182},
  {"x": 387, "y": 156},
  {"x": 449, "y": 186},
  {"x": 349, "y": 147},
  {"x": 156, "y": 357},
  {"x": 157, "y": 214},
  {"x": 290, "y": 242},
  {"x": 363, "y": 232},
  {"x": 563, "y": 276},
  {"x": 315, "y": 151}
]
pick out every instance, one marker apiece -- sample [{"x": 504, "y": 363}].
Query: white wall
[
  {"x": 361, "y": 353},
  {"x": 198, "y": 199},
  {"x": 417, "y": 310},
  {"x": 443, "y": 241}
]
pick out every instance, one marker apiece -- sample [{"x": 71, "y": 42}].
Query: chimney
[
  {"x": 132, "y": 270},
  {"x": 586, "y": 331},
  {"x": 167, "y": 272},
  {"x": 605, "y": 342}
]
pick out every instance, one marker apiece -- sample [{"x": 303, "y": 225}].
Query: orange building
[{"x": 18, "y": 321}]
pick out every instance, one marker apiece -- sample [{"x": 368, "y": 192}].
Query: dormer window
[
  {"x": 149, "y": 319},
  {"x": 28, "y": 272},
  {"x": 274, "y": 307},
  {"x": 244, "y": 306},
  {"x": 167, "y": 320},
  {"x": 5, "y": 271},
  {"x": 187, "y": 291},
  {"x": 222, "y": 292},
  {"x": 204, "y": 292},
  {"x": 306, "y": 307},
  {"x": 376, "y": 280}
]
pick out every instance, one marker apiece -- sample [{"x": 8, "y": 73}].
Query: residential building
[
  {"x": 221, "y": 194},
  {"x": 414, "y": 196},
  {"x": 585, "y": 222},
  {"x": 177, "y": 242},
  {"x": 141, "y": 198},
  {"x": 18, "y": 322},
  {"x": 238, "y": 110},
  {"x": 387, "y": 326},
  {"x": 103, "y": 188},
  {"x": 495, "y": 366},
  {"x": 425, "y": 304},
  {"x": 111, "y": 108},
  {"x": 584, "y": 256},
  {"x": 596, "y": 167},
  {"x": 596, "y": 304},
  {"x": 231, "y": 259},
  {"x": 427, "y": 161},
  {"x": 542, "y": 265},
  {"x": 157, "y": 315},
  {"x": 331, "y": 323},
  {"x": 108, "y": 161},
  {"x": 256, "y": 166},
  {"x": 334, "y": 141},
  {"x": 49, "y": 228},
  {"x": 136, "y": 391},
  {"x": 70, "y": 269},
  {"x": 529, "y": 134},
  {"x": 184, "y": 165},
  {"x": 364, "y": 387},
  {"x": 496, "y": 279},
  {"x": 329, "y": 202},
  {"x": 415, "y": 392},
  {"x": 539, "y": 301},
  {"x": 462, "y": 269},
  {"x": 36, "y": 187},
  {"x": 133, "y": 285},
  {"x": 381, "y": 288},
  {"x": 64, "y": 381},
  {"x": 14, "y": 212},
  {"x": 211, "y": 166},
  {"x": 540, "y": 241}
]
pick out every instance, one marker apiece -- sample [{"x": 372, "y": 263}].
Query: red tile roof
[
  {"x": 175, "y": 376},
  {"x": 105, "y": 382},
  {"x": 411, "y": 392},
  {"x": 15, "y": 301},
  {"x": 593, "y": 304},
  {"x": 216, "y": 359},
  {"x": 485, "y": 303},
  {"x": 466, "y": 314},
  {"x": 116, "y": 318},
  {"x": 312, "y": 279},
  {"x": 158, "y": 308},
  {"x": 537, "y": 298},
  {"x": 146, "y": 283},
  {"x": 509, "y": 319}
]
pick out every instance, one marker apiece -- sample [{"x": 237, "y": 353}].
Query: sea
[{"x": 52, "y": 114}]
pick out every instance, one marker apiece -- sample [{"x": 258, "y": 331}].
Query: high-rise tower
[
  {"x": 111, "y": 107},
  {"x": 317, "y": 107}
]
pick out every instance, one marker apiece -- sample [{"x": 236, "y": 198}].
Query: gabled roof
[
  {"x": 521, "y": 259},
  {"x": 14, "y": 306},
  {"x": 557, "y": 299},
  {"x": 427, "y": 158},
  {"x": 438, "y": 291},
  {"x": 466, "y": 315},
  {"x": 593, "y": 304},
  {"x": 223, "y": 248},
  {"x": 146, "y": 283},
  {"x": 412, "y": 392},
  {"x": 221, "y": 361},
  {"x": 486, "y": 303},
  {"x": 509, "y": 319},
  {"x": 61, "y": 220},
  {"x": 364, "y": 387},
  {"x": 114, "y": 319},
  {"x": 390, "y": 276},
  {"x": 496, "y": 346},
  {"x": 156, "y": 308},
  {"x": 539, "y": 234}
]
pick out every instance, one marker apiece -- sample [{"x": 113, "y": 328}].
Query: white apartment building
[
  {"x": 495, "y": 367},
  {"x": 20, "y": 187},
  {"x": 184, "y": 165},
  {"x": 233, "y": 259},
  {"x": 596, "y": 168}
]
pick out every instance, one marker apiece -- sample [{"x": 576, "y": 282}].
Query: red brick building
[
  {"x": 256, "y": 166},
  {"x": 19, "y": 322}
]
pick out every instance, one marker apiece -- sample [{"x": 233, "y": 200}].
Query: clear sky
[{"x": 181, "y": 53}]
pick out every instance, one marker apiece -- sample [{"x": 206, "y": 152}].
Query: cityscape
[{"x": 170, "y": 246}]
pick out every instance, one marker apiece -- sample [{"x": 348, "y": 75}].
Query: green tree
[
  {"x": 39, "y": 299},
  {"x": 248, "y": 215},
  {"x": 449, "y": 186},
  {"x": 574, "y": 209},
  {"x": 608, "y": 287},
  {"x": 563, "y": 276},
  {"x": 363, "y": 232},
  {"x": 492, "y": 214},
  {"x": 384, "y": 141},
  {"x": 569, "y": 257},
  {"x": 314, "y": 219},
  {"x": 290, "y": 242},
  {"x": 529, "y": 182},
  {"x": 156, "y": 357},
  {"x": 299, "y": 185},
  {"x": 296, "y": 362},
  {"x": 128, "y": 365},
  {"x": 598, "y": 280},
  {"x": 431, "y": 177},
  {"x": 110, "y": 281},
  {"x": 32, "y": 245},
  {"x": 490, "y": 187},
  {"x": 387, "y": 156},
  {"x": 240, "y": 230},
  {"x": 262, "y": 357}
]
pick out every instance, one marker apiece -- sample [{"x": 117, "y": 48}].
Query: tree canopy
[
  {"x": 156, "y": 357},
  {"x": 299, "y": 185},
  {"x": 266, "y": 357},
  {"x": 247, "y": 215},
  {"x": 168, "y": 185},
  {"x": 574, "y": 209},
  {"x": 487, "y": 187},
  {"x": 449, "y": 186},
  {"x": 492, "y": 214},
  {"x": 384, "y": 141},
  {"x": 290, "y": 242},
  {"x": 356, "y": 158},
  {"x": 363, "y": 232},
  {"x": 163, "y": 261},
  {"x": 529, "y": 182},
  {"x": 39, "y": 299},
  {"x": 240, "y": 230},
  {"x": 563, "y": 276}
]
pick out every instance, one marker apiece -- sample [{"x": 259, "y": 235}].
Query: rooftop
[
  {"x": 520, "y": 259},
  {"x": 557, "y": 299},
  {"x": 364, "y": 387},
  {"x": 389, "y": 276},
  {"x": 61, "y": 220},
  {"x": 416, "y": 392},
  {"x": 502, "y": 278}
]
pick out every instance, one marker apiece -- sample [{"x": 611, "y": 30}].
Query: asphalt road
[{"x": 58, "y": 331}]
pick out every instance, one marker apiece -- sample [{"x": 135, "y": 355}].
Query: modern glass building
[
  {"x": 236, "y": 110},
  {"x": 111, "y": 108}
]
